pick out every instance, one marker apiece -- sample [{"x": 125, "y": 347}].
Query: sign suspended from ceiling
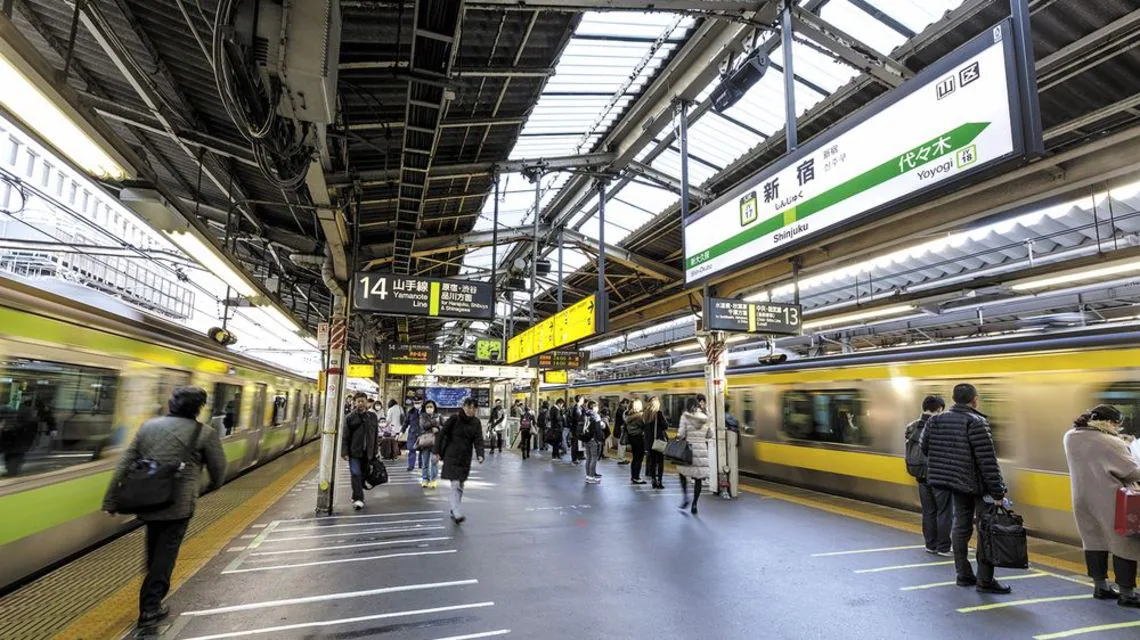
[
  {"x": 963, "y": 115},
  {"x": 772, "y": 318},
  {"x": 555, "y": 377},
  {"x": 583, "y": 319},
  {"x": 561, "y": 360},
  {"x": 395, "y": 353},
  {"x": 488, "y": 350},
  {"x": 431, "y": 297},
  {"x": 449, "y": 370},
  {"x": 361, "y": 371}
]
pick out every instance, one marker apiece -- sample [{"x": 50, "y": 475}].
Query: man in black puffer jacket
[{"x": 960, "y": 459}]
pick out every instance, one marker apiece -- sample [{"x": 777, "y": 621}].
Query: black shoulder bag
[{"x": 149, "y": 485}]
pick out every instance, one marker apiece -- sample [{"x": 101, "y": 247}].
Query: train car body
[{"x": 76, "y": 382}]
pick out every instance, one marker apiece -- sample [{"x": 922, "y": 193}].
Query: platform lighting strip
[
  {"x": 860, "y": 315},
  {"x": 208, "y": 257},
  {"x": 1079, "y": 276}
]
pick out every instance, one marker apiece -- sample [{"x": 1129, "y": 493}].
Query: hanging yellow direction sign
[
  {"x": 361, "y": 371},
  {"x": 581, "y": 320}
]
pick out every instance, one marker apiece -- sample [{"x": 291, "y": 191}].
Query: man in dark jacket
[
  {"x": 358, "y": 445},
  {"x": 575, "y": 422},
  {"x": 961, "y": 460},
  {"x": 169, "y": 440},
  {"x": 555, "y": 423},
  {"x": 936, "y": 511},
  {"x": 494, "y": 433},
  {"x": 619, "y": 430},
  {"x": 459, "y": 435},
  {"x": 543, "y": 418}
]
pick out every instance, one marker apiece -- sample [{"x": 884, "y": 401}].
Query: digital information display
[
  {"x": 432, "y": 297},
  {"x": 581, "y": 320},
  {"x": 561, "y": 360},
  {"x": 395, "y": 353},
  {"x": 555, "y": 377},
  {"x": 772, "y": 318}
]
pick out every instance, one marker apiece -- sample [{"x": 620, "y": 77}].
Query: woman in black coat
[
  {"x": 655, "y": 425},
  {"x": 458, "y": 436}
]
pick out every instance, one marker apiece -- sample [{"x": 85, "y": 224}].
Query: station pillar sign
[{"x": 771, "y": 318}]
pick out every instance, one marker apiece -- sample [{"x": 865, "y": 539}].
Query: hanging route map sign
[
  {"x": 432, "y": 297},
  {"x": 960, "y": 116}
]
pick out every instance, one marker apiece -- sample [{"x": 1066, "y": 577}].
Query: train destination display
[
  {"x": 432, "y": 297},
  {"x": 395, "y": 353},
  {"x": 773, "y": 318},
  {"x": 561, "y": 360}
]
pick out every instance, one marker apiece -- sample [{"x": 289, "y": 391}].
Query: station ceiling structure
[{"x": 429, "y": 120}]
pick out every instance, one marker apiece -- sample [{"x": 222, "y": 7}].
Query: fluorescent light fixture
[
  {"x": 740, "y": 337},
  {"x": 692, "y": 346},
  {"x": 860, "y": 315},
  {"x": 760, "y": 296},
  {"x": 282, "y": 319},
  {"x": 631, "y": 357},
  {"x": 31, "y": 99},
  {"x": 1077, "y": 276},
  {"x": 209, "y": 257}
]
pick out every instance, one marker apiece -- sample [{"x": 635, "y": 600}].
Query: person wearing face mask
[
  {"x": 429, "y": 427},
  {"x": 462, "y": 433}
]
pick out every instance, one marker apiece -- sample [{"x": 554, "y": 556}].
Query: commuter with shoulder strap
[{"x": 936, "y": 511}]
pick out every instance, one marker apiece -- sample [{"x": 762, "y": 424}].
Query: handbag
[
  {"x": 377, "y": 474},
  {"x": 659, "y": 446},
  {"x": 403, "y": 437},
  {"x": 425, "y": 441},
  {"x": 149, "y": 485},
  {"x": 1002, "y": 539},
  {"x": 679, "y": 451},
  {"x": 1127, "y": 512}
]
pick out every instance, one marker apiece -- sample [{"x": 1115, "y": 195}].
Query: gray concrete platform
[{"x": 544, "y": 555}]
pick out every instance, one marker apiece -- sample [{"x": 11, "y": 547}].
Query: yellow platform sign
[
  {"x": 581, "y": 320},
  {"x": 361, "y": 371},
  {"x": 555, "y": 377}
]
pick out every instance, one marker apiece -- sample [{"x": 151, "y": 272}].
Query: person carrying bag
[{"x": 1002, "y": 539}]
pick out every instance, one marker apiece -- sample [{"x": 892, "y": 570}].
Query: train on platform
[
  {"x": 79, "y": 373},
  {"x": 836, "y": 423}
]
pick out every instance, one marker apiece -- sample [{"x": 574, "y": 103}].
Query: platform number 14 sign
[{"x": 379, "y": 290}]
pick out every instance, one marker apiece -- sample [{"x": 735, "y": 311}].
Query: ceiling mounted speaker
[{"x": 542, "y": 266}]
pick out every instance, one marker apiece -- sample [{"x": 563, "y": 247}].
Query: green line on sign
[
  {"x": 901, "y": 164},
  {"x": 433, "y": 300}
]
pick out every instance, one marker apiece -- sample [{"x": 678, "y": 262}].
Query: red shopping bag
[{"x": 1128, "y": 512}]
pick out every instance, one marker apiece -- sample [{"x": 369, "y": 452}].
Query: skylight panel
[
  {"x": 919, "y": 14},
  {"x": 865, "y": 27}
]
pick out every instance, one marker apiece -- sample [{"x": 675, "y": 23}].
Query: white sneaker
[
  {"x": 593, "y": 479},
  {"x": 358, "y": 505}
]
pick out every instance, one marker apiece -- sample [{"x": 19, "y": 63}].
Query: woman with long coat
[
  {"x": 1100, "y": 463},
  {"x": 459, "y": 435},
  {"x": 634, "y": 425},
  {"x": 694, "y": 428},
  {"x": 655, "y": 426}
]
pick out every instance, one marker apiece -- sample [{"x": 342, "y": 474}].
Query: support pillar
[
  {"x": 722, "y": 463},
  {"x": 333, "y": 406},
  {"x": 789, "y": 78}
]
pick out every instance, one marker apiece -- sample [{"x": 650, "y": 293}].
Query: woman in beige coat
[
  {"x": 1100, "y": 463},
  {"x": 694, "y": 428}
]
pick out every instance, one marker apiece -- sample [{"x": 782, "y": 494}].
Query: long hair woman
[
  {"x": 635, "y": 435},
  {"x": 695, "y": 430},
  {"x": 655, "y": 426}
]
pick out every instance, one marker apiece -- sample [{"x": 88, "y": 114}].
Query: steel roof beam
[
  {"x": 735, "y": 7},
  {"x": 381, "y": 254},
  {"x": 648, "y": 266},
  {"x": 665, "y": 180},
  {"x": 1086, "y": 48},
  {"x": 449, "y": 124},
  {"x": 853, "y": 51}
]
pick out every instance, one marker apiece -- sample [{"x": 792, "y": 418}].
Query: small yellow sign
[
  {"x": 407, "y": 369},
  {"x": 555, "y": 377},
  {"x": 361, "y": 371}
]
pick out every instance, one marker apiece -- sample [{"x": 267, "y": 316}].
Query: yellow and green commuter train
[{"x": 77, "y": 380}]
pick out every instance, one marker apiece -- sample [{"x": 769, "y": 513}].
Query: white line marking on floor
[
  {"x": 1083, "y": 630},
  {"x": 247, "y": 536},
  {"x": 331, "y": 623},
  {"x": 258, "y": 526},
  {"x": 858, "y": 551},
  {"x": 351, "y": 534},
  {"x": 906, "y": 566},
  {"x": 362, "y": 545},
  {"x": 952, "y": 583},
  {"x": 1018, "y": 603},
  {"x": 316, "y": 519},
  {"x": 235, "y": 549},
  {"x": 317, "y": 563},
  {"x": 344, "y": 595},
  {"x": 482, "y": 634}
]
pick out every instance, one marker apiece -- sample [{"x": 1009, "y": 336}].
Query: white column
[
  {"x": 716, "y": 381},
  {"x": 333, "y": 407}
]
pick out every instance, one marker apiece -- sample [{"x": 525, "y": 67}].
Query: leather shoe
[
  {"x": 1132, "y": 601},
  {"x": 993, "y": 587},
  {"x": 151, "y": 618},
  {"x": 966, "y": 581},
  {"x": 1106, "y": 594}
]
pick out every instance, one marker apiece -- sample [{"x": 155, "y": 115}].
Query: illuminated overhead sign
[
  {"x": 481, "y": 371},
  {"x": 407, "y": 369},
  {"x": 488, "y": 350},
  {"x": 361, "y": 371},
  {"x": 555, "y": 377},
  {"x": 432, "y": 297},
  {"x": 962, "y": 115},
  {"x": 395, "y": 353},
  {"x": 561, "y": 360},
  {"x": 581, "y": 320},
  {"x": 772, "y": 318}
]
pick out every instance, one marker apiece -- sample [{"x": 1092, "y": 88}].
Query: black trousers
[
  {"x": 357, "y": 467},
  {"x": 163, "y": 539},
  {"x": 655, "y": 465},
  {"x": 575, "y": 450},
  {"x": 697, "y": 485},
  {"x": 966, "y": 509},
  {"x": 937, "y": 516},
  {"x": 637, "y": 444},
  {"x": 1125, "y": 570},
  {"x": 524, "y": 444},
  {"x": 497, "y": 440}
]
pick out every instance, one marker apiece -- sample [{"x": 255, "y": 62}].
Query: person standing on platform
[
  {"x": 555, "y": 429},
  {"x": 574, "y": 423},
  {"x": 462, "y": 433},
  {"x": 177, "y": 437},
  {"x": 656, "y": 426},
  {"x": 358, "y": 446},
  {"x": 620, "y": 438},
  {"x": 607, "y": 435},
  {"x": 494, "y": 435},
  {"x": 1100, "y": 463},
  {"x": 695, "y": 430},
  {"x": 591, "y": 436},
  {"x": 429, "y": 426},
  {"x": 961, "y": 460},
  {"x": 543, "y": 418},
  {"x": 394, "y": 418},
  {"x": 412, "y": 418},
  {"x": 635, "y": 435},
  {"x": 526, "y": 426},
  {"x": 936, "y": 511}
]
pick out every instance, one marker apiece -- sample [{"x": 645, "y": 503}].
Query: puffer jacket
[
  {"x": 167, "y": 440},
  {"x": 359, "y": 439},
  {"x": 695, "y": 430},
  {"x": 960, "y": 453}
]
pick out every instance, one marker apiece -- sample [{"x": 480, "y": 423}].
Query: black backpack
[
  {"x": 915, "y": 458},
  {"x": 590, "y": 428},
  {"x": 542, "y": 414}
]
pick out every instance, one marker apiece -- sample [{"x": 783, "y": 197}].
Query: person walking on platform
[
  {"x": 656, "y": 426},
  {"x": 635, "y": 434},
  {"x": 526, "y": 426},
  {"x": 961, "y": 460},
  {"x": 177, "y": 437},
  {"x": 555, "y": 429},
  {"x": 543, "y": 417},
  {"x": 495, "y": 431},
  {"x": 412, "y": 417},
  {"x": 695, "y": 430},
  {"x": 620, "y": 438},
  {"x": 429, "y": 432},
  {"x": 394, "y": 418},
  {"x": 358, "y": 446},
  {"x": 462, "y": 433},
  {"x": 574, "y": 424},
  {"x": 1100, "y": 463},
  {"x": 936, "y": 510},
  {"x": 591, "y": 436}
]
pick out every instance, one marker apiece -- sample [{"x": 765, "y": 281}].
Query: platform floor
[{"x": 543, "y": 555}]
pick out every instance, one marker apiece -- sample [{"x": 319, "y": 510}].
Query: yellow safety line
[
  {"x": 858, "y": 551},
  {"x": 1036, "y": 558},
  {"x": 952, "y": 583},
  {"x": 1083, "y": 630},
  {"x": 906, "y": 566},
  {"x": 115, "y": 615},
  {"x": 1018, "y": 603}
]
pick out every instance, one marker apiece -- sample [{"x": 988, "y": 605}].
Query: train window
[
  {"x": 257, "y": 416},
  {"x": 995, "y": 405},
  {"x": 740, "y": 405},
  {"x": 226, "y": 408},
  {"x": 55, "y": 415},
  {"x": 825, "y": 416},
  {"x": 280, "y": 407},
  {"x": 673, "y": 405},
  {"x": 1125, "y": 396}
]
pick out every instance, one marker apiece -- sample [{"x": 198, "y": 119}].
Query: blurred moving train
[
  {"x": 836, "y": 423},
  {"x": 77, "y": 380}
]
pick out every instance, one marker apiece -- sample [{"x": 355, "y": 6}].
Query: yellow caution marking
[
  {"x": 1022, "y": 603},
  {"x": 116, "y": 614},
  {"x": 898, "y": 567},
  {"x": 1083, "y": 630},
  {"x": 859, "y": 551},
  {"x": 952, "y": 583}
]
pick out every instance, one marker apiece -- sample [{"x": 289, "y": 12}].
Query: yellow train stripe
[
  {"x": 873, "y": 466},
  {"x": 114, "y": 616},
  {"x": 1042, "y": 489},
  {"x": 1020, "y": 603},
  {"x": 1083, "y": 630}
]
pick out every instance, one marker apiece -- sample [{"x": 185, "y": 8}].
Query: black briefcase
[
  {"x": 1002, "y": 539},
  {"x": 377, "y": 474}
]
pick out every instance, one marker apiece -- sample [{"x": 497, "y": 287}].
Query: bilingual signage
[
  {"x": 772, "y": 318},
  {"x": 395, "y": 353},
  {"x": 960, "y": 116},
  {"x": 581, "y": 320},
  {"x": 432, "y": 297},
  {"x": 561, "y": 360},
  {"x": 489, "y": 350},
  {"x": 479, "y": 371}
]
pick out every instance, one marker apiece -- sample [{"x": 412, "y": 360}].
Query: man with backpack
[
  {"x": 526, "y": 424},
  {"x": 591, "y": 434},
  {"x": 574, "y": 424},
  {"x": 936, "y": 511}
]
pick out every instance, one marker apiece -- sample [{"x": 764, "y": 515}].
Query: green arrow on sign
[{"x": 899, "y": 165}]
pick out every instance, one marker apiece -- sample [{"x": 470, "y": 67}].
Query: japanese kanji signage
[
  {"x": 435, "y": 297},
  {"x": 395, "y": 353},
  {"x": 774, "y": 318},
  {"x": 581, "y": 320},
  {"x": 488, "y": 349},
  {"x": 561, "y": 360},
  {"x": 960, "y": 116}
]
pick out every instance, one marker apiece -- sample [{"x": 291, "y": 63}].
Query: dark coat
[
  {"x": 960, "y": 453},
  {"x": 359, "y": 441},
  {"x": 634, "y": 424},
  {"x": 658, "y": 430},
  {"x": 576, "y": 419},
  {"x": 167, "y": 440},
  {"x": 556, "y": 419},
  {"x": 454, "y": 443}
]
